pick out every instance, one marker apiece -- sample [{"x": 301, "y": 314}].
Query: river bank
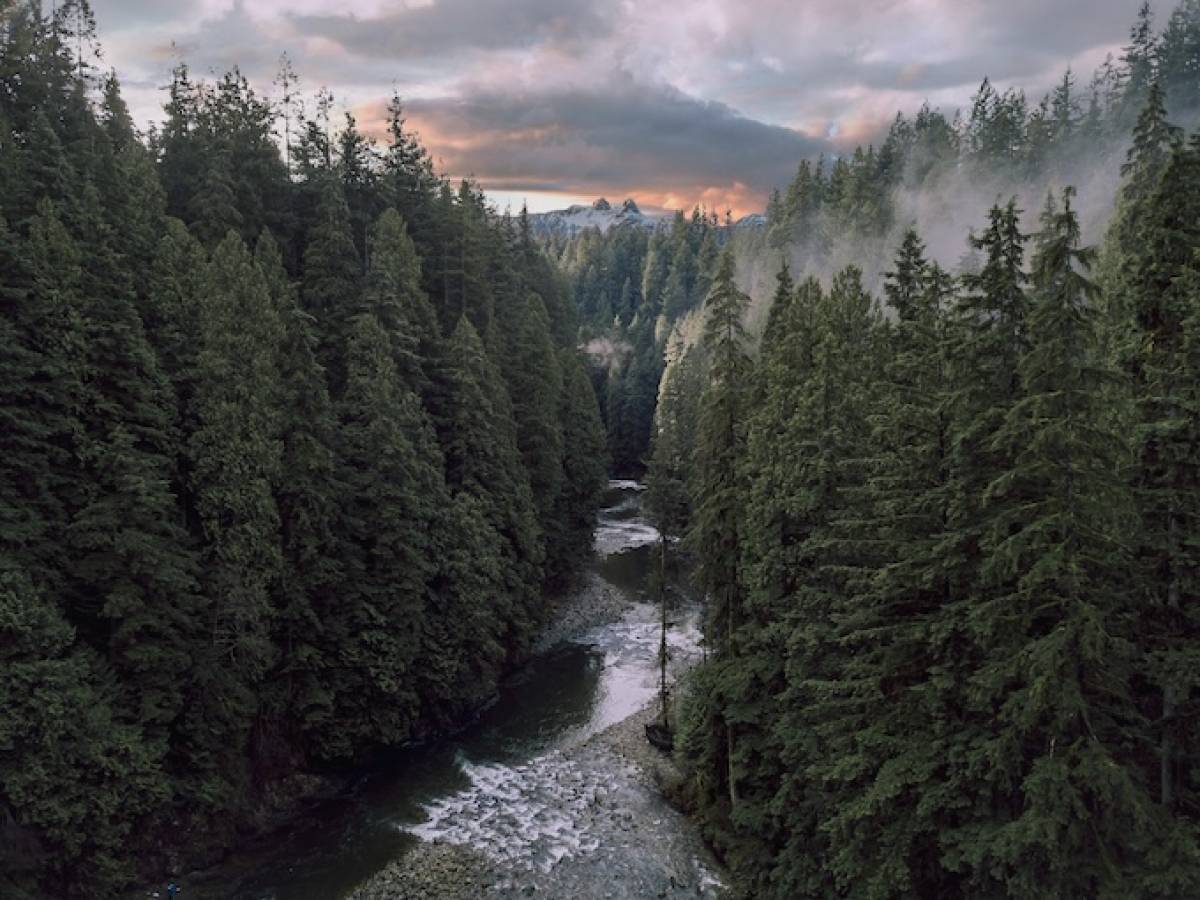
[
  {"x": 611, "y": 835},
  {"x": 551, "y": 789}
]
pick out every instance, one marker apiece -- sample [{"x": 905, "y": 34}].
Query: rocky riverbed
[
  {"x": 587, "y": 817},
  {"x": 587, "y": 822},
  {"x": 552, "y": 791},
  {"x": 593, "y": 603}
]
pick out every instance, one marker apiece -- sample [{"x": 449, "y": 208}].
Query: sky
[{"x": 671, "y": 102}]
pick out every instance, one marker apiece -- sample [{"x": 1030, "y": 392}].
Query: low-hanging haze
[{"x": 557, "y": 101}]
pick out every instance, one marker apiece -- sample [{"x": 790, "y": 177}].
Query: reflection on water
[{"x": 496, "y": 783}]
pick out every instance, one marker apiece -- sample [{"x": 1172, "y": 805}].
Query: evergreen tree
[
  {"x": 44, "y": 336},
  {"x": 332, "y": 273},
  {"x": 391, "y": 482},
  {"x": 233, "y": 457},
  {"x": 1054, "y": 680},
  {"x": 720, "y": 445},
  {"x": 307, "y": 495},
  {"x": 74, "y": 779},
  {"x": 482, "y": 459},
  {"x": 1162, "y": 302},
  {"x": 393, "y": 294},
  {"x": 134, "y": 593},
  {"x": 534, "y": 377},
  {"x": 583, "y": 470},
  {"x": 884, "y": 833},
  {"x": 716, "y": 525},
  {"x": 1179, "y": 56}
]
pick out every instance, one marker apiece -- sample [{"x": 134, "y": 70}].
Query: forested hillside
[
  {"x": 631, "y": 286},
  {"x": 938, "y": 170},
  {"x": 949, "y": 532},
  {"x": 295, "y": 438}
]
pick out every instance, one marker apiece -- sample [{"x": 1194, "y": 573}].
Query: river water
[{"x": 503, "y": 786}]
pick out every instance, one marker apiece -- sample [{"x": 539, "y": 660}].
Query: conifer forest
[{"x": 303, "y": 444}]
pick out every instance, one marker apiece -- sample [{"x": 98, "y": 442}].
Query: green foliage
[
  {"x": 75, "y": 776},
  {"x": 962, "y": 661},
  {"x": 390, "y": 482},
  {"x": 483, "y": 461},
  {"x": 256, "y": 511}
]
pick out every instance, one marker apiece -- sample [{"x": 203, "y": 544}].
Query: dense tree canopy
[
  {"x": 267, "y": 497},
  {"x": 950, "y": 565}
]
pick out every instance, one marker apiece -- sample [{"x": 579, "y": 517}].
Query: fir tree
[
  {"x": 1162, "y": 303},
  {"x": 483, "y": 460},
  {"x": 233, "y": 460},
  {"x": 1055, "y": 676},
  {"x": 74, "y": 778},
  {"x": 306, "y": 494},
  {"x": 332, "y": 273},
  {"x": 716, "y": 523},
  {"x": 391, "y": 483}
]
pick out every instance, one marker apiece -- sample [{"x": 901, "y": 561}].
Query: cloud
[
  {"x": 672, "y": 102},
  {"x": 621, "y": 136},
  {"x": 431, "y": 29}
]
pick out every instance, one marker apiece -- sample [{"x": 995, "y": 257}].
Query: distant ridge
[{"x": 602, "y": 215}]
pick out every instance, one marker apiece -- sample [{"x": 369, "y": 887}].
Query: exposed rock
[
  {"x": 595, "y": 603},
  {"x": 623, "y": 839}
]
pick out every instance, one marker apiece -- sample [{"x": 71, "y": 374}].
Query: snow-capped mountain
[
  {"x": 601, "y": 214},
  {"x": 753, "y": 220}
]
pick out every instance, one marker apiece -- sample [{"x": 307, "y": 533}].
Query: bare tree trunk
[
  {"x": 1168, "y": 711},
  {"x": 662, "y": 646},
  {"x": 733, "y": 794}
]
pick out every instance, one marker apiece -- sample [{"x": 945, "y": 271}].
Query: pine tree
[
  {"x": 38, "y": 396},
  {"x": 1140, "y": 63},
  {"x": 884, "y": 831},
  {"x": 393, "y": 294},
  {"x": 306, "y": 494},
  {"x": 990, "y": 335},
  {"x": 1054, "y": 681},
  {"x": 478, "y": 434},
  {"x": 583, "y": 470},
  {"x": 534, "y": 377},
  {"x": 390, "y": 472},
  {"x": 720, "y": 445},
  {"x": 233, "y": 460},
  {"x": 134, "y": 593},
  {"x": 711, "y": 735},
  {"x": 1162, "y": 303},
  {"x": 822, "y": 550},
  {"x": 332, "y": 273},
  {"x": 1153, "y": 140},
  {"x": 213, "y": 208},
  {"x": 1179, "y": 56}
]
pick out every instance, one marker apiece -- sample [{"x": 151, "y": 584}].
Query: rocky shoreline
[
  {"x": 630, "y": 842},
  {"x": 592, "y": 603}
]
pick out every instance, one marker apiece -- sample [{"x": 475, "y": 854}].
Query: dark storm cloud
[
  {"x": 623, "y": 132},
  {"x": 447, "y": 26}
]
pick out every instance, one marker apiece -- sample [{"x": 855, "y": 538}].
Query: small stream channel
[{"x": 501, "y": 786}]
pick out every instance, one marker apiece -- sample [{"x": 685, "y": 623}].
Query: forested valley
[
  {"x": 945, "y": 499},
  {"x": 301, "y": 440},
  {"x": 296, "y": 443}
]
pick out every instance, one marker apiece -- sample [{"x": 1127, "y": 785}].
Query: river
[{"x": 505, "y": 786}]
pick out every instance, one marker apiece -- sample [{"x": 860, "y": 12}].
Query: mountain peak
[
  {"x": 602, "y": 205},
  {"x": 629, "y": 206}
]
